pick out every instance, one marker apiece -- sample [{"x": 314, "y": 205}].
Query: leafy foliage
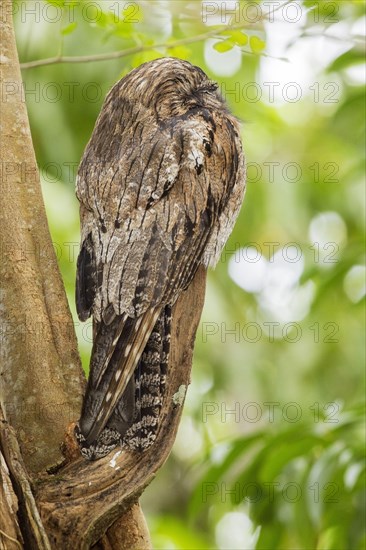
[{"x": 303, "y": 485}]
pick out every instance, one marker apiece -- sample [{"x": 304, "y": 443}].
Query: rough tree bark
[
  {"x": 83, "y": 504},
  {"x": 41, "y": 374}
]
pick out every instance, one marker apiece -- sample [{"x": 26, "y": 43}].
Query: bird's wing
[{"x": 145, "y": 223}]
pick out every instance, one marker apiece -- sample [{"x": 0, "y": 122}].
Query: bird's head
[{"x": 171, "y": 87}]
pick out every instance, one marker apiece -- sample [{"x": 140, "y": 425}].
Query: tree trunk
[
  {"x": 41, "y": 376},
  {"x": 82, "y": 504}
]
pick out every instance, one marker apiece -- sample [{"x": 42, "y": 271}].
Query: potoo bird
[{"x": 160, "y": 186}]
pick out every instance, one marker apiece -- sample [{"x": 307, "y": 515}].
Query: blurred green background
[{"x": 270, "y": 450}]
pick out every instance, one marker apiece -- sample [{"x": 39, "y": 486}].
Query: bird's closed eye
[{"x": 210, "y": 87}]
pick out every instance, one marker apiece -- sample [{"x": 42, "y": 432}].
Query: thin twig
[
  {"x": 144, "y": 48},
  {"x": 128, "y": 51}
]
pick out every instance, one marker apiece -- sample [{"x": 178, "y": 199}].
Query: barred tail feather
[
  {"x": 150, "y": 378},
  {"x": 128, "y": 343}
]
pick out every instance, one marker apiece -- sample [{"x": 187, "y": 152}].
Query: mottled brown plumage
[{"x": 160, "y": 186}]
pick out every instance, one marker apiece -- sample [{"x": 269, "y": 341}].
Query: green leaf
[
  {"x": 218, "y": 471},
  {"x": 256, "y": 44},
  {"x": 330, "y": 538},
  {"x": 348, "y": 59},
  {"x": 69, "y": 29},
  {"x": 224, "y": 46},
  {"x": 58, "y": 3},
  {"x": 132, "y": 13},
  {"x": 279, "y": 455},
  {"x": 238, "y": 37}
]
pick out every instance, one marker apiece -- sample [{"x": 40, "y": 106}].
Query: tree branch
[
  {"x": 85, "y": 498},
  {"x": 131, "y": 51},
  {"x": 20, "y": 484},
  {"x": 129, "y": 532}
]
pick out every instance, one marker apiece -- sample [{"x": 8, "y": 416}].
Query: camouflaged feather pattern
[{"x": 160, "y": 186}]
